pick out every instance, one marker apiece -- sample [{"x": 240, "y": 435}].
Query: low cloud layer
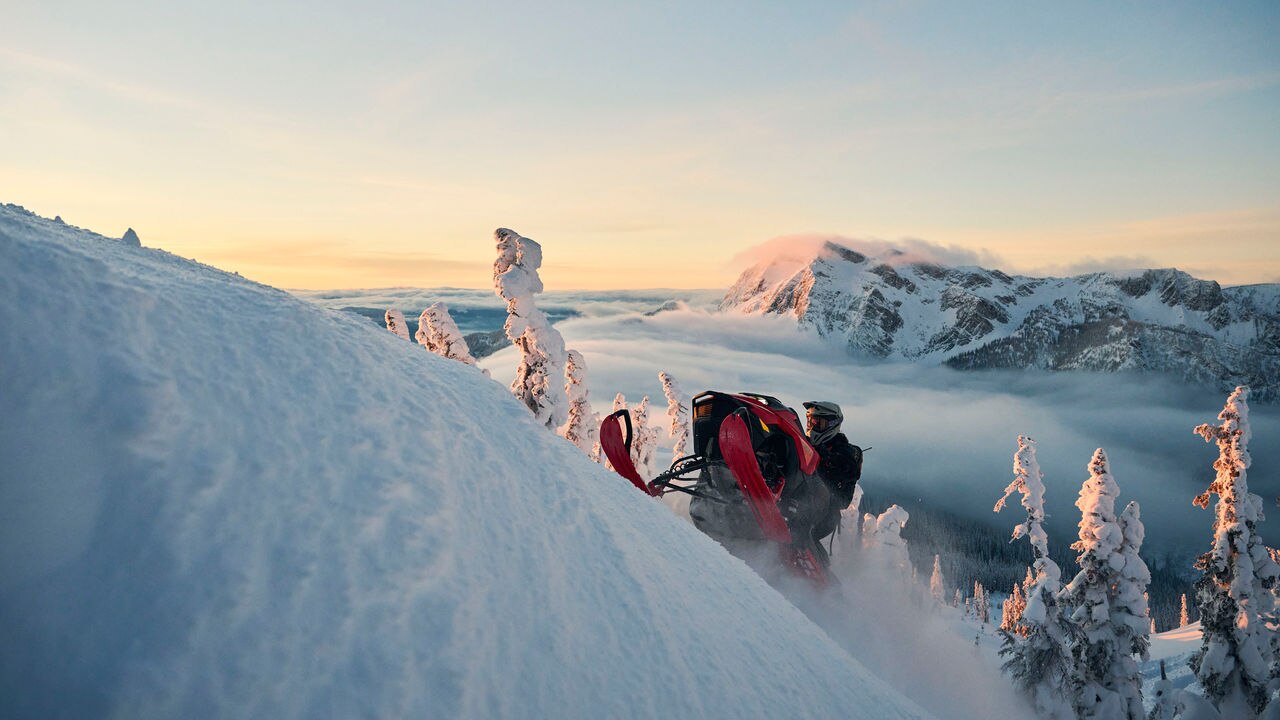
[
  {"x": 944, "y": 436},
  {"x": 802, "y": 248}
]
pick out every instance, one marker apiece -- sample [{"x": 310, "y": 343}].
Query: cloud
[
  {"x": 800, "y": 249},
  {"x": 944, "y": 435},
  {"x": 1117, "y": 264}
]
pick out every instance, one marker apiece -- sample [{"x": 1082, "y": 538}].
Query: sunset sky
[{"x": 644, "y": 144}]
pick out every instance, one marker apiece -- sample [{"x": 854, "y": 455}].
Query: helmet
[{"x": 823, "y": 420}]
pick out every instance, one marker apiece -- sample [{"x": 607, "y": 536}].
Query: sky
[{"x": 647, "y": 144}]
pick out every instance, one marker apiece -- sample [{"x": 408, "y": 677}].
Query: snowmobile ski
[{"x": 617, "y": 447}]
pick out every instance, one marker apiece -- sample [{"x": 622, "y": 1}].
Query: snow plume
[
  {"x": 904, "y": 642},
  {"x": 678, "y": 412},
  {"x": 1234, "y": 593},
  {"x": 538, "y": 377},
  {"x": 1040, "y": 663},
  {"x": 396, "y": 324},
  {"x": 582, "y": 427},
  {"x": 438, "y": 333}
]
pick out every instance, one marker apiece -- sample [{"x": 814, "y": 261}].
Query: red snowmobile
[{"x": 752, "y": 477}]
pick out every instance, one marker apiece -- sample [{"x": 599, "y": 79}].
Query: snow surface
[{"x": 221, "y": 501}]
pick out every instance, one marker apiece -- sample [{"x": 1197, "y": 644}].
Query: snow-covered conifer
[
  {"x": 1104, "y": 681},
  {"x": 937, "y": 585},
  {"x": 396, "y": 323},
  {"x": 1130, "y": 611},
  {"x": 1039, "y": 664},
  {"x": 644, "y": 444},
  {"x": 581, "y": 428},
  {"x": 678, "y": 412},
  {"x": 957, "y": 600},
  {"x": 538, "y": 381},
  {"x": 982, "y": 603},
  {"x": 438, "y": 333},
  {"x": 1183, "y": 618},
  {"x": 1011, "y": 611},
  {"x": 1234, "y": 594},
  {"x": 883, "y": 537}
]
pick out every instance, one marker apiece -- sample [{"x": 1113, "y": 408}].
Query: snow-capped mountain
[{"x": 897, "y": 306}]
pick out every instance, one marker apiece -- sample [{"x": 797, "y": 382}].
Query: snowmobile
[{"x": 752, "y": 477}]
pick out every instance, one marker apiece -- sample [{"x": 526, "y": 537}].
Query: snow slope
[{"x": 219, "y": 500}]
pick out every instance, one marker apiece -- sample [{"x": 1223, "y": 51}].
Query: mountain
[
  {"x": 220, "y": 500},
  {"x": 899, "y": 307}
]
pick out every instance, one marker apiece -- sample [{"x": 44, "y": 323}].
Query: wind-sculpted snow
[
  {"x": 896, "y": 305},
  {"x": 221, "y": 501}
]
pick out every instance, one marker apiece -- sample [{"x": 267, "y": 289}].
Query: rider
[{"x": 841, "y": 461}]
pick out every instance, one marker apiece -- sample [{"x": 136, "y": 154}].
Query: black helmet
[{"x": 823, "y": 420}]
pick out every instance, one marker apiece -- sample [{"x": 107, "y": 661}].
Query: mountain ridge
[{"x": 898, "y": 306}]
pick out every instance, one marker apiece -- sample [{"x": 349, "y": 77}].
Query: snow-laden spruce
[
  {"x": 1234, "y": 594},
  {"x": 438, "y": 333},
  {"x": 1106, "y": 684},
  {"x": 644, "y": 443},
  {"x": 194, "y": 528},
  {"x": 396, "y": 323},
  {"x": 582, "y": 428},
  {"x": 1040, "y": 663},
  {"x": 1011, "y": 610},
  {"x": 1183, "y": 615},
  {"x": 539, "y": 381},
  {"x": 882, "y": 538},
  {"x": 938, "y": 584},
  {"x": 678, "y": 426}
]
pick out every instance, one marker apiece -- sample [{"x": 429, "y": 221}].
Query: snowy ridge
[
  {"x": 896, "y": 306},
  {"x": 223, "y": 501}
]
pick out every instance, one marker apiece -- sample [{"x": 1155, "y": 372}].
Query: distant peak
[
  {"x": 58, "y": 219},
  {"x": 131, "y": 238}
]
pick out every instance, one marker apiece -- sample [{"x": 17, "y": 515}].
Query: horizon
[{"x": 645, "y": 145}]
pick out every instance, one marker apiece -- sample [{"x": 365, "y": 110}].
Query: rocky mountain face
[{"x": 895, "y": 307}]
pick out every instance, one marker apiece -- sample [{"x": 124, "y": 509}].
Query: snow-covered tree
[
  {"x": 1011, "y": 611},
  {"x": 538, "y": 381},
  {"x": 438, "y": 333},
  {"x": 882, "y": 536},
  {"x": 958, "y": 599},
  {"x": 582, "y": 427},
  {"x": 1103, "y": 681},
  {"x": 1183, "y": 617},
  {"x": 644, "y": 443},
  {"x": 981, "y": 604},
  {"x": 1130, "y": 612},
  {"x": 678, "y": 412},
  {"x": 1040, "y": 664},
  {"x": 396, "y": 323},
  {"x": 1234, "y": 593},
  {"x": 937, "y": 585}
]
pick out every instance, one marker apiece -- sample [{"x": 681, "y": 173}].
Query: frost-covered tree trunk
[
  {"x": 1183, "y": 618},
  {"x": 678, "y": 414},
  {"x": 1234, "y": 593},
  {"x": 581, "y": 428},
  {"x": 396, "y": 323},
  {"x": 438, "y": 333},
  {"x": 938, "y": 585},
  {"x": 1039, "y": 664},
  {"x": 539, "y": 377},
  {"x": 1102, "y": 678}
]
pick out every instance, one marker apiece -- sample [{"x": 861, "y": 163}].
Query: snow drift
[{"x": 219, "y": 500}]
